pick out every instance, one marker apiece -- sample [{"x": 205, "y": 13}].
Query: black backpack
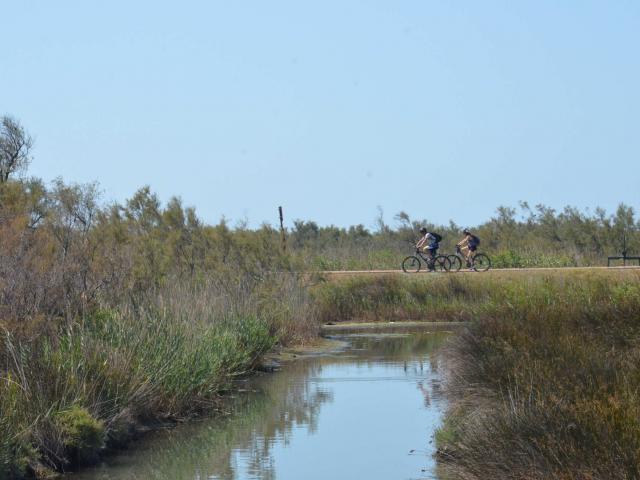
[
  {"x": 437, "y": 236},
  {"x": 474, "y": 241}
]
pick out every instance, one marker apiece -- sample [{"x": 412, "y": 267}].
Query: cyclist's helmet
[
  {"x": 466, "y": 231},
  {"x": 423, "y": 230}
]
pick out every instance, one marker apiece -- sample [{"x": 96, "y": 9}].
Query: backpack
[
  {"x": 474, "y": 240},
  {"x": 437, "y": 236}
]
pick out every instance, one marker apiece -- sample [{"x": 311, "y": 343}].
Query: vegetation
[
  {"x": 90, "y": 384},
  {"x": 544, "y": 380},
  {"x": 400, "y": 297},
  {"x": 119, "y": 315},
  {"x": 529, "y": 237},
  {"x": 544, "y": 383}
]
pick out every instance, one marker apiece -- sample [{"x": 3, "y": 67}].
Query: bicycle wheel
[
  {"x": 481, "y": 263},
  {"x": 456, "y": 262},
  {"x": 411, "y": 264},
  {"x": 441, "y": 263}
]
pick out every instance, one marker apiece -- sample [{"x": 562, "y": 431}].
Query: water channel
[{"x": 367, "y": 410}]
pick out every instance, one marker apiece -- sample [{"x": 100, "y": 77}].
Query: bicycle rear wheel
[
  {"x": 411, "y": 264},
  {"x": 441, "y": 263},
  {"x": 481, "y": 262},
  {"x": 456, "y": 263}
]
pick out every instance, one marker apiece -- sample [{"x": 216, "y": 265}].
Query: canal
[{"x": 367, "y": 410}]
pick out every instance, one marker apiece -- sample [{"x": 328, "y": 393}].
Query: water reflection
[{"x": 356, "y": 414}]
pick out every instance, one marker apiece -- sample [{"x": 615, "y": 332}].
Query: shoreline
[{"x": 271, "y": 362}]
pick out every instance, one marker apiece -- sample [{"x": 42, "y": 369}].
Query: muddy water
[{"x": 368, "y": 411}]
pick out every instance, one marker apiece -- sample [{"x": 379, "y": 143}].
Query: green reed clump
[
  {"x": 544, "y": 382},
  {"x": 66, "y": 396},
  {"x": 15, "y": 455}
]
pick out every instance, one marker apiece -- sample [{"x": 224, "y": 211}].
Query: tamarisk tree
[{"x": 15, "y": 147}]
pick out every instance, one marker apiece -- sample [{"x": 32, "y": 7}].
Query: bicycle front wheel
[
  {"x": 411, "y": 264},
  {"x": 456, "y": 263},
  {"x": 442, "y": 263},
  {"x": 481, "y": 263}
]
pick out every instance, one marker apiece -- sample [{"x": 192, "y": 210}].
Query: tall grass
[
  {"x": 403, "y": 297},
  {"x": 439, "y": 297},
  {"x": 163, "y": 356},
  {"x": 544, "y": 383}
]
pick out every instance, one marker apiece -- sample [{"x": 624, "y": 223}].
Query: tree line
[{"x": 62, "y": 249}]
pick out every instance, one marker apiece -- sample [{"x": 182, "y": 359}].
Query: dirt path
[{"x": 346, "y": 273}]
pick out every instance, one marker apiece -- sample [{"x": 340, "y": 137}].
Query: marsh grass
[
  {"x": 401, "y": 297},
  {"x": 164, "y": 356},
  {"x": 544, "y": 383}
]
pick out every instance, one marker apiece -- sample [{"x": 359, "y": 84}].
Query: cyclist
[
  {"x": 429, "y": 243},
  {"x": 468, "y": 246}
]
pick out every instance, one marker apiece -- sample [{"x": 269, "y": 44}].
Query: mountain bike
[
  {"x": 413, "y": 263},
  {"x": 480, "y": 261}
]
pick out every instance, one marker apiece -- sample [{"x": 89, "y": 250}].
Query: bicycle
[
  {"x": 480, "y": 262},
  {"x": 412, "y": 263}
]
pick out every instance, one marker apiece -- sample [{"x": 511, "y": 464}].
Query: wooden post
[{"x": 284, "y": 240}]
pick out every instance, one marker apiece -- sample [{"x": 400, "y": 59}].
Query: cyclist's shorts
[
  {"x": 433, "y": 246},
  {"x": 472, "y": 247}
]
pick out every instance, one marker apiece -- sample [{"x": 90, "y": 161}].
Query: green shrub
[
  {"x": 82, "y": 434},
  {"x": 526, "y": 259}
]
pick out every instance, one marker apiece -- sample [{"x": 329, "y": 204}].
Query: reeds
[
  {"x": 163, "y": 356},
  {"x": 544, "y": 383}
]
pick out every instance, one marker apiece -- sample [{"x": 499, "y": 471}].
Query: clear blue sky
[{"x": 443, "y": 109}]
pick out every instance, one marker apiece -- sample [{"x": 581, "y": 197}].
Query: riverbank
[
  {"x": 438, "y": 297},
  {"x": 317, "y": 417},
  {"x": 542, "y": 380},
  {"x": 73, "y": 392}
]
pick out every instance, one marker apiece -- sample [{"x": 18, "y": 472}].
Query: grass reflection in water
[{"x": 273, "y": 409}]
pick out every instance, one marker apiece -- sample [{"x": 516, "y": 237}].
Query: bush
[
  {"x": 82, "y": 434},
  {"x": 524, "y": 259}
]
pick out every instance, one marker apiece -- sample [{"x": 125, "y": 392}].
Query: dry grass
[{"x": 544, "y": 383}]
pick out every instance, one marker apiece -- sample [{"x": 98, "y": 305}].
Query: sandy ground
[{"x": 346, "y": 273}]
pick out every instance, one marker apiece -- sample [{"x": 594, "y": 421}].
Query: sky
[{"x": 332, "y": 109}]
